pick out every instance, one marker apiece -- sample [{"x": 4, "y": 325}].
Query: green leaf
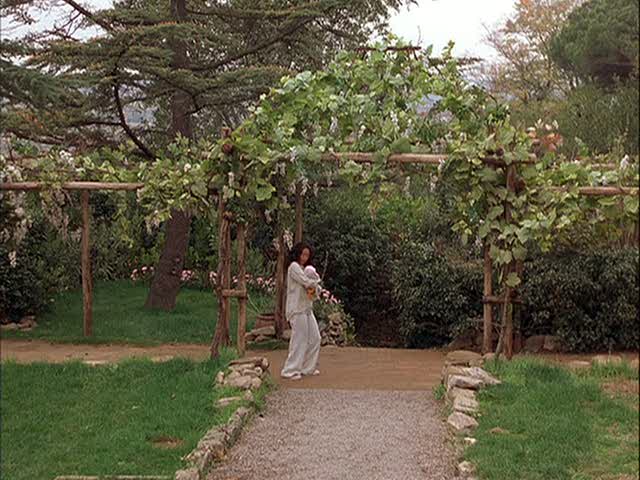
[
  {"x": 264, "y": 191},
  {"x": 513, "y": 280},
  {"x": 402, "y": 145}
]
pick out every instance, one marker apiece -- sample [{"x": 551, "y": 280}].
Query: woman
[{"x": 304, "y": 345}]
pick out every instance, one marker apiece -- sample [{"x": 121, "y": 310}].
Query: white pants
[{"x": 304, "y": 345}]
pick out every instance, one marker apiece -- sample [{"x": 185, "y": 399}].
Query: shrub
[
  {"x": 589, "y": 300},
  {"x": 433, "y": 295}
]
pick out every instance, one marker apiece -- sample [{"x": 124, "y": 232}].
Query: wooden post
[
  {"x": 87, "y": 282},
  {"x": 221, "y": 334},
  {"x": 227, "y": 282},
  {"x": 242, "y": 285},
  {"x": 299, "y": 213},
  {"x": 508, "y": 307},
  {"x": 280, "y": 286},
  {"x": 487, "y": 337}
]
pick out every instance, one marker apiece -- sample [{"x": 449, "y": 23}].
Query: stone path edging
[
  {"x": 247, "y": 374},
  {"x": 463, "y": 376}
]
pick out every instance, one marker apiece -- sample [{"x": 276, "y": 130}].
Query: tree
[
  {"x": 524, "y": 70},
  {"x": 599, "y": 41},
  {"x": 191, "y": 65}
]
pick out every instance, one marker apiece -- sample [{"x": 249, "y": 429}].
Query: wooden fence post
[
  {"x": 280, "y": 285},
  {"x": 87, "y": 282},
  {"x": 487, "y": 337},
  {"x": 242, "y": 286},
  {"x": 221, "y": 334}
]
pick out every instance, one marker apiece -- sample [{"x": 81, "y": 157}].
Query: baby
[{"x": 311, "y": 273}]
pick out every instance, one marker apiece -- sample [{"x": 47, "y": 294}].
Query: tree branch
[{"x": 79, "y": 8}]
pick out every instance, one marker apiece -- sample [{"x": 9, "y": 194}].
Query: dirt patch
[
  {"x": 344, "y": 368},
  {"x": 166, "y": 443},
  {"x": 625, "y": 387}
]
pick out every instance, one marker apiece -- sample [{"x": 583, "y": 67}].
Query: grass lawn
[
  {"x": 119, "y": 316},
  {"x": 558, "y": 425},
  {"x": 74, "y": 419}
]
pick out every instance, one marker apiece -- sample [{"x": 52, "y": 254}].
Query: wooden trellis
[{"x": 224, "y": 285}]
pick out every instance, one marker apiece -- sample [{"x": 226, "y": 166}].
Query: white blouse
[{"x": 297, "y": 284}]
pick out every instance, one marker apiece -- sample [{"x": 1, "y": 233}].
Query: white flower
[
  {"x": 13, "y": 258},
  {"x": 231, "y": 179},
  {"x": 187, "y": 167},
  {"x": 19, "y": 212},
  {"x": 334, "y": 125},
  {"x": 624, "y": 163}
]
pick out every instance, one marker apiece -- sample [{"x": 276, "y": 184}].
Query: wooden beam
[
  {"x": 280, "y": 320},
  {"x": 87, "y": 283},
  {"x": 242, "y": 288},
  {"x": 25, "y": 186}
]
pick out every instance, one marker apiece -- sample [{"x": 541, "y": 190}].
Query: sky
[{"x": 437, "y": 22}]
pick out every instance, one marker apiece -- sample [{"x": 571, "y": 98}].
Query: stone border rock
[
  {"x": 462, "y": 377},
  {"x": 247, "y": 374}
]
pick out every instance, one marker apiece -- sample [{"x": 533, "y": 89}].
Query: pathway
[
  {"x": 342, "y": 368},
  {"x": 369, "y": 415}
]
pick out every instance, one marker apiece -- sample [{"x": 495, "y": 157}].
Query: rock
[
  {"x": 607, "y": 359},
  {"x": 465, "y": 469},
  {"x": 449, "y": 370},
  {"x": 249, "y": 337},
  {"x": 95, "y": 363},
  {"x": 456, "y": 392},
  {"x": 9, "y": 326},
  {"x": 264, "y": 364},
  {"x": 232, "y": 375},
  {"x": 286, "y": 335},
  {"x": 479, "y": 373},
  {"x": 464, "y": 382},
  {"x": 234, "y": 425},
  {"x": 265, "y": 331},
  {"x": 220, "y": 377},
  {"x": 262, "y": 338},
  {"x": 201, "y": 457},
  {"x": 243, "y": 382},
  {"x": 256, "y": 383},
  {"x": 28, "y": 321},
  {"x": 248, "y": 396},
  {"x": 248, "y": 360},
  {"x": 470, "y": 441},
  {"x": 635, "y": 364},
  {"x": 534, "y": 344},
  {"x": 258, "y": 371},
  {"x": 188, "y": 474},
  {"x": 223, "y": 402},
  {"x": 579, "y": 364},
  {"x": 462, "y": 357},
  {"x": 162, "y": 358},
  {"x": 551, "y": 343},
  {"x": 461, "y": 422},
  {"x": 487, "y": 357},
  {"x": 465, "y": 404}
]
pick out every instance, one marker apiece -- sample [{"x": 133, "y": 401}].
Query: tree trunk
[
  {"x": 166, "y": 280},
  {"x": 221, "y": 336}
]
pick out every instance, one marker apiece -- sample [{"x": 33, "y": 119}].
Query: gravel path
[{"x": 343, "y": 435}]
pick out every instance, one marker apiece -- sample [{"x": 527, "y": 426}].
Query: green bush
[
  {"x": 352, "y": 254},
  {"x": 433, "y": 295},
  {"x": 589, "y": 300}
]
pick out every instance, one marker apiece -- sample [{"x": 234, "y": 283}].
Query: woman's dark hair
[{"x": 296, "y": 251}]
